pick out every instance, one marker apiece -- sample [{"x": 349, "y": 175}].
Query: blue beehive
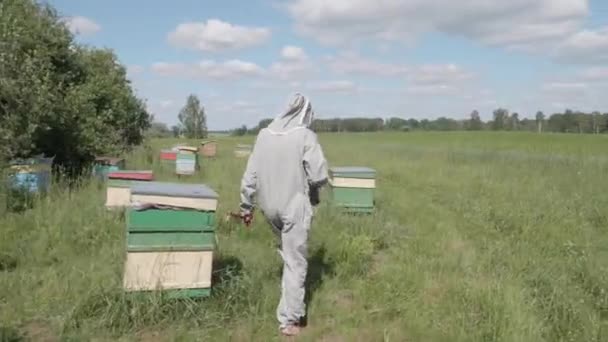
[{"x": 32, "y": 174}]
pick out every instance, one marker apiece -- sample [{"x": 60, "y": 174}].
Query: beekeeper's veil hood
[{"x": 299, "y": 114}]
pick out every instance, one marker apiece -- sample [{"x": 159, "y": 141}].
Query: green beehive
[
  {"x": 352, "y": 188},
  {"x": 102, "y": 166},
  {"x": 186, "y": 163},
  {"x": 170, "y": 238}
]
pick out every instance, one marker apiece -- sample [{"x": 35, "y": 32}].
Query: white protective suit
[{"x": 284, "y": 172}]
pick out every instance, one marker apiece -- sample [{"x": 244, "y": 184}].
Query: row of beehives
[
  {"x": 352, "y": 187},
  {"x": 170, "y": 229},
  {"x": 170, "y": 233}
]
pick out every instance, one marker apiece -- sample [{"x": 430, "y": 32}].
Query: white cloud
[
  {"x": 293, "y": 65},
  {"x": 239, "y": 106},
  {"x": 216, "y": 35},
  {"x": 587, "y": 46},
  {"x": 164, "y": 104},
  {"x": 291, "y": 70},
  {"x": 431, "y": 89},
  {"x": 567, "y": 86},
  {"x": 597, "y": 74},
  {"x": 291, "y": 52},
  {"x": 351, "y": 63},
  {"x": 228, "y": 70},
  {"x": 442, "y": 79},
  {"x": 428, "y": 74},
  {"x": 565, "y": 92},
  {"x": 334, "y": 86},
  {"x": 438, "y": 74},
  {"x": 82, "y": 25},
  {"x": 517, "y": 24}
]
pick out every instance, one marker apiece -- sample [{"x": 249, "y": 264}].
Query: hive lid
[
  {"x": 132, "y": 175},
  {"x": 109, "y": 160},
  {"x": 352, "y": 172},
  {"x": 204, "y": 142},
  {"x": 174, "y": 190},
  {"x": 123, "y": 183},
  {"x": 188, "y": 148},
  {"x": 40, "y": 159}
]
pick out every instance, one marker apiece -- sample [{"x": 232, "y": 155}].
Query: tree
[
  {"x": 515, "y": 121},
  {"x": 475, "y": 123},
  {"x": 58, "y": 97},
  {"x": 501, "y": 117},
  {"x": 396, "y": 124},
  {"x": 240, "y": 131},
  {"x": 540, "y": 118},
  {"x": 413, "y": 123},
  {"x": 264, "y": 123},
  {"x": 596, "y": 118},
  {"x": 192, "y": 118},
  {"x": 159, "y": 130},
  {"x": 176, "y": 131},
  {"x": 583, "y": 122}
]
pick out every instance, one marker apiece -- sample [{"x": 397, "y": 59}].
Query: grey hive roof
[{"x": 174, "y": 190}]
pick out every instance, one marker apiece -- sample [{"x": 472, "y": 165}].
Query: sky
[{"x": 384, "y": 58}]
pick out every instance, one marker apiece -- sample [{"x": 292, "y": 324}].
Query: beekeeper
[{"x": 284, "y": 173}]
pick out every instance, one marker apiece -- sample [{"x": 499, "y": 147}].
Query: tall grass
[{"x": 477, "y": 237}]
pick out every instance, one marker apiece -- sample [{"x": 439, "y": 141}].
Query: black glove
[{"x": 313, "y": 194}]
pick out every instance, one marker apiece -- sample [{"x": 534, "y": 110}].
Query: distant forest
[
  {"x": 503, "y": 120},
  {"x": 566, "y": 122}
]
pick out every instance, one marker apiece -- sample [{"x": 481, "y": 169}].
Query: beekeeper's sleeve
[
  {"x": 249, "y": 183},
  {"x": 314, "y": 161}
]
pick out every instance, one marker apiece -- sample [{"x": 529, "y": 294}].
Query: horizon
[{"x": 404, "y": 59}]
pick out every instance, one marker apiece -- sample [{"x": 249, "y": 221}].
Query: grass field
[{"x": 477, "y": 237}]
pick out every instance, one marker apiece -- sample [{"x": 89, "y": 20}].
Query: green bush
[{"x": 58, "y": 97}]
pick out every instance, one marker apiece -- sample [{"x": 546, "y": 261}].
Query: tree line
[
  {"x": 58, "y": 97},
  {"x": 502, "y": 120}
]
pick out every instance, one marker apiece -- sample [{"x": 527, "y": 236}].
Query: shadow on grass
[
  {"x": 8, "y": 334},
  {"x": 18, "y": 201},
  {"x": 318, "y": 269},
  {"x": 225, "y": 270},
  {"x": 7, "y": 262}
]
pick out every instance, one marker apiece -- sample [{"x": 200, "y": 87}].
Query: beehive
[
  {"x": 104, "y": 165},
  {"x": 242, "y": 151},
  {"x": 170, "y": 238},
  {"x": 168, "y": 158},
  {"x": 187, "y": 160},
  {"x": 208, "y": 149},
  {"x": 118, "y": 191},
  {"x": 31, "y": 175},
  {"x": 352, "y": 188}
]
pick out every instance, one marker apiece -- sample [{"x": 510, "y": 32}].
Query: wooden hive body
[
  {"x": 186, "y": 162},
  {"x": 31, "y": 175},
  {"x": 170, "y": 246},
  {"x": 352, "y": 188},
  {"x": 118, "y": 191},
  {"x": 209, "y": 149}
]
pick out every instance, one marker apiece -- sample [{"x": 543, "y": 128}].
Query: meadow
[{"x": 477, "y": 237}]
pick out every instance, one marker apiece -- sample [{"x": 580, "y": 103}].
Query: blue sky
[{"x": 406, "y": 58}]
